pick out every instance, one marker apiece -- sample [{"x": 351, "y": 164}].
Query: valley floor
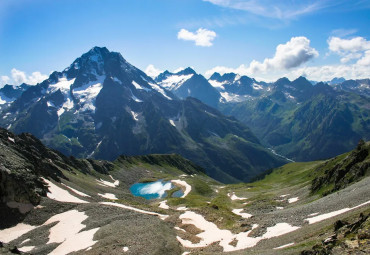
[{"x": 99, "y": 216}]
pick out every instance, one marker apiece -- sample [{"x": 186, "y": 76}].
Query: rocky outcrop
[
  {"x": 24, "y": 159},
  {"x": 338, "y": 173},
  {"x": 348, "y": 238}
]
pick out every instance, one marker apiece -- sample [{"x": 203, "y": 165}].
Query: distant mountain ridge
[
  {"x": 187, "y": 83},
  {"x": 304, "y": 121}
]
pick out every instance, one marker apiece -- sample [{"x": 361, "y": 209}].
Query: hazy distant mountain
[
  {"x": 361, "y": 87},
  {"x": 101, "y": 106},
  {"x": 305, "y": 122}
]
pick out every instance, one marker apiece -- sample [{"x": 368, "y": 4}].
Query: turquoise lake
[{"x": 153, "y": 190}]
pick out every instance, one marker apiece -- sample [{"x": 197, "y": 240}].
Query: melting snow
[
  {"x": 172, "y": 123},
  {"x": 63, "y": 84},
  {"x": 26, "y": 248},
  {"x": 257, "y": 86},
  {"x": 235, "y": 197},
  {"x": 137, "y": 86},
  {"x": 68, "y": 232},
  {"x": 135, "y": 115},
  {"x": 108, "y": 196},
  {"x": 175, "y": 81},
  {"x": 60, "y": 194},
  {"x": 160, "y": 90},
  {"x": 76, "y": 191},
  {"x": 107, "y": 183},
  {"x": 218, "y": 85},
  {"x": 9, "y": 234},
  {"x": 239, "y": 212},
  {"x": 332, "y": 214},
  {"x": 293, "y": 199},
  {"x": 211, "y": 233},
  {"x": 50, "y": 104},
  {"x": 183, "y": 184},
  {"x": 163, "y": 204},
  {"x": 283, "y": 246},
  {"x": 87, "y": 93},
  {"x": 161, "y": 216}
]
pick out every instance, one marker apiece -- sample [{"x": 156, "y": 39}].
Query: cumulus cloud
[
  {"x": 152, "y": 71},
  {"x": 350, "y": 49},
  {"x": 291, "y": 54},
  {"x": 4, "y": 80},
  {"x": 202, "y": 37},
  {"x": 356, "y": 44},
  {"x": 289, "y": 59},
  {"x": 18, "y": 77},
  {"x": 365, "y": 60}
]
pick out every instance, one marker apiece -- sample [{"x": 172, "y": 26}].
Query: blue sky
[{"x": 265, "y": 39}]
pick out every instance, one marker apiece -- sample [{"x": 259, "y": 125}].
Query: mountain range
[
  {"x": 295, "y": 118},
  {"x": 103, "y": 107}
]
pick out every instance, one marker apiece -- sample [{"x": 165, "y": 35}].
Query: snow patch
[
  {"x": 235, "y": 197},
  {"x": 9, "y": 234},
  {"x": 107, "y": 183},
  {"x": 163, "y": 204},
  {"x": 68, "y": 232},
  {"x": 108, "y": 196},
  {"x": 332, "y": 214},
  {"x": 87, "y": 93},
  {"x": 137, "y": 86},
  {"x": 161, "y": 216},
  {"x": 175, "y": 81},
  {"x": 61, "y": 195},
  {"x": 211, "y": 233},
  {"x": 135, "y": 115},
  {"x": 183, "y": 184},
  {"x": 160, "y": 90},
  {"x": 76, "y": 191},
  {"x": 283, "y": 246},
  {"x": 293, "y": 199},
  {"x": 243, "y": 215}
]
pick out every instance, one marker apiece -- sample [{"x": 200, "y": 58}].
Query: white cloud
[
  {"x": 289, "y": 9},
  {"x": 178, "y": 69},
  {"x": 341, "y": 32},
  {"x": 152, "y": 71},
  {"x": 350, "y": 49},
  {"x": 202, "y": 37},
  {"x": 292, "y": 54},
  {"x": 18, "y": 77},
  {"x": 273, "y": 8},
  {"x": 4, "y": 80},
  {"x": 316, "y": 73},
  {"x": 289, "y": 55},
  {"x": 356, "y": 44},
  {"x": 365, "y": 60}
]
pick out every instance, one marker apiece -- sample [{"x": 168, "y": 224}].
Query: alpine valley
[{"x": 217, "y": 156}]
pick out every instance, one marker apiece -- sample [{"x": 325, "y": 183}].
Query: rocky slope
[{"x": 86, "y": 207}]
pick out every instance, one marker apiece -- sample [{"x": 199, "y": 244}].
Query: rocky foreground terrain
[{"x": 53, "y": 204}]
